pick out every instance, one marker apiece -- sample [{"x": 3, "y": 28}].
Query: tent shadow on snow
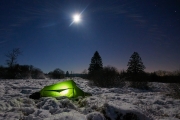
[{"x": 66, "y": 88}]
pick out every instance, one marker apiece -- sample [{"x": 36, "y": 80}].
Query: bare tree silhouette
[{"x": 12, "y": 57}]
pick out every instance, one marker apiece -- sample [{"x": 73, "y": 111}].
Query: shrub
[
  {"x": 37, "y": 74},
  {"x": 139, "y": 85},
  {"x": 56, "y": 74},
  {"x": 107, "y": 77},
  {"x": 122, "y": 74},
  {"x": 174, "y": 90},
  {"x": 139, "y": 81}
]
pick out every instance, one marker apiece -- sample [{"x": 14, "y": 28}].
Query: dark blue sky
[{"x": 115, "y": 28}]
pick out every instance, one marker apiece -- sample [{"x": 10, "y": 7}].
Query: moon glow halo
[{"x": 76, "y": 18}]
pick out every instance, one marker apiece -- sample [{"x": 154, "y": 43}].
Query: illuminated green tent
[{"x": 66, "y": 88}]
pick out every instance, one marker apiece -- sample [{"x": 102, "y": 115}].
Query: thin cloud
[{"x": 2, "y": 42}]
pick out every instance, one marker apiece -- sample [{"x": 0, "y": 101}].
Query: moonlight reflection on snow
[{"x": 104, "y": 103}]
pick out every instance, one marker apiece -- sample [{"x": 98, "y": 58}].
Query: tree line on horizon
[
  {"x": 109, "y": 76},
  {"x": 135, "y": 70},
  {"x": 16, "y": 71}
]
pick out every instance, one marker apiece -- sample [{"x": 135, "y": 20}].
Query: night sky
[{"x": 43, "y": 31}]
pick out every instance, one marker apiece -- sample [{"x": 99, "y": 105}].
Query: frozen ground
[{"x": 105, "y": 103}]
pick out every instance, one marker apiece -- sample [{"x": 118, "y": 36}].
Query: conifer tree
[
  {"x": 136, "y": 72},
  {"x": 67, "y": 74},
  {"x": 96, "y": 63},
  {"x": 135, "y": 64}
]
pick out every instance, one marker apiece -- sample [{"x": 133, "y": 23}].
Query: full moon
[{"x": 76, "y": 18}]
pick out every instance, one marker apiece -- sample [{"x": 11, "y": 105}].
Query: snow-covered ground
[{"x": 105, "y": 103}]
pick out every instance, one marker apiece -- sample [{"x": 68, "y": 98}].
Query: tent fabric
[{"x": 66, "y": 88}]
